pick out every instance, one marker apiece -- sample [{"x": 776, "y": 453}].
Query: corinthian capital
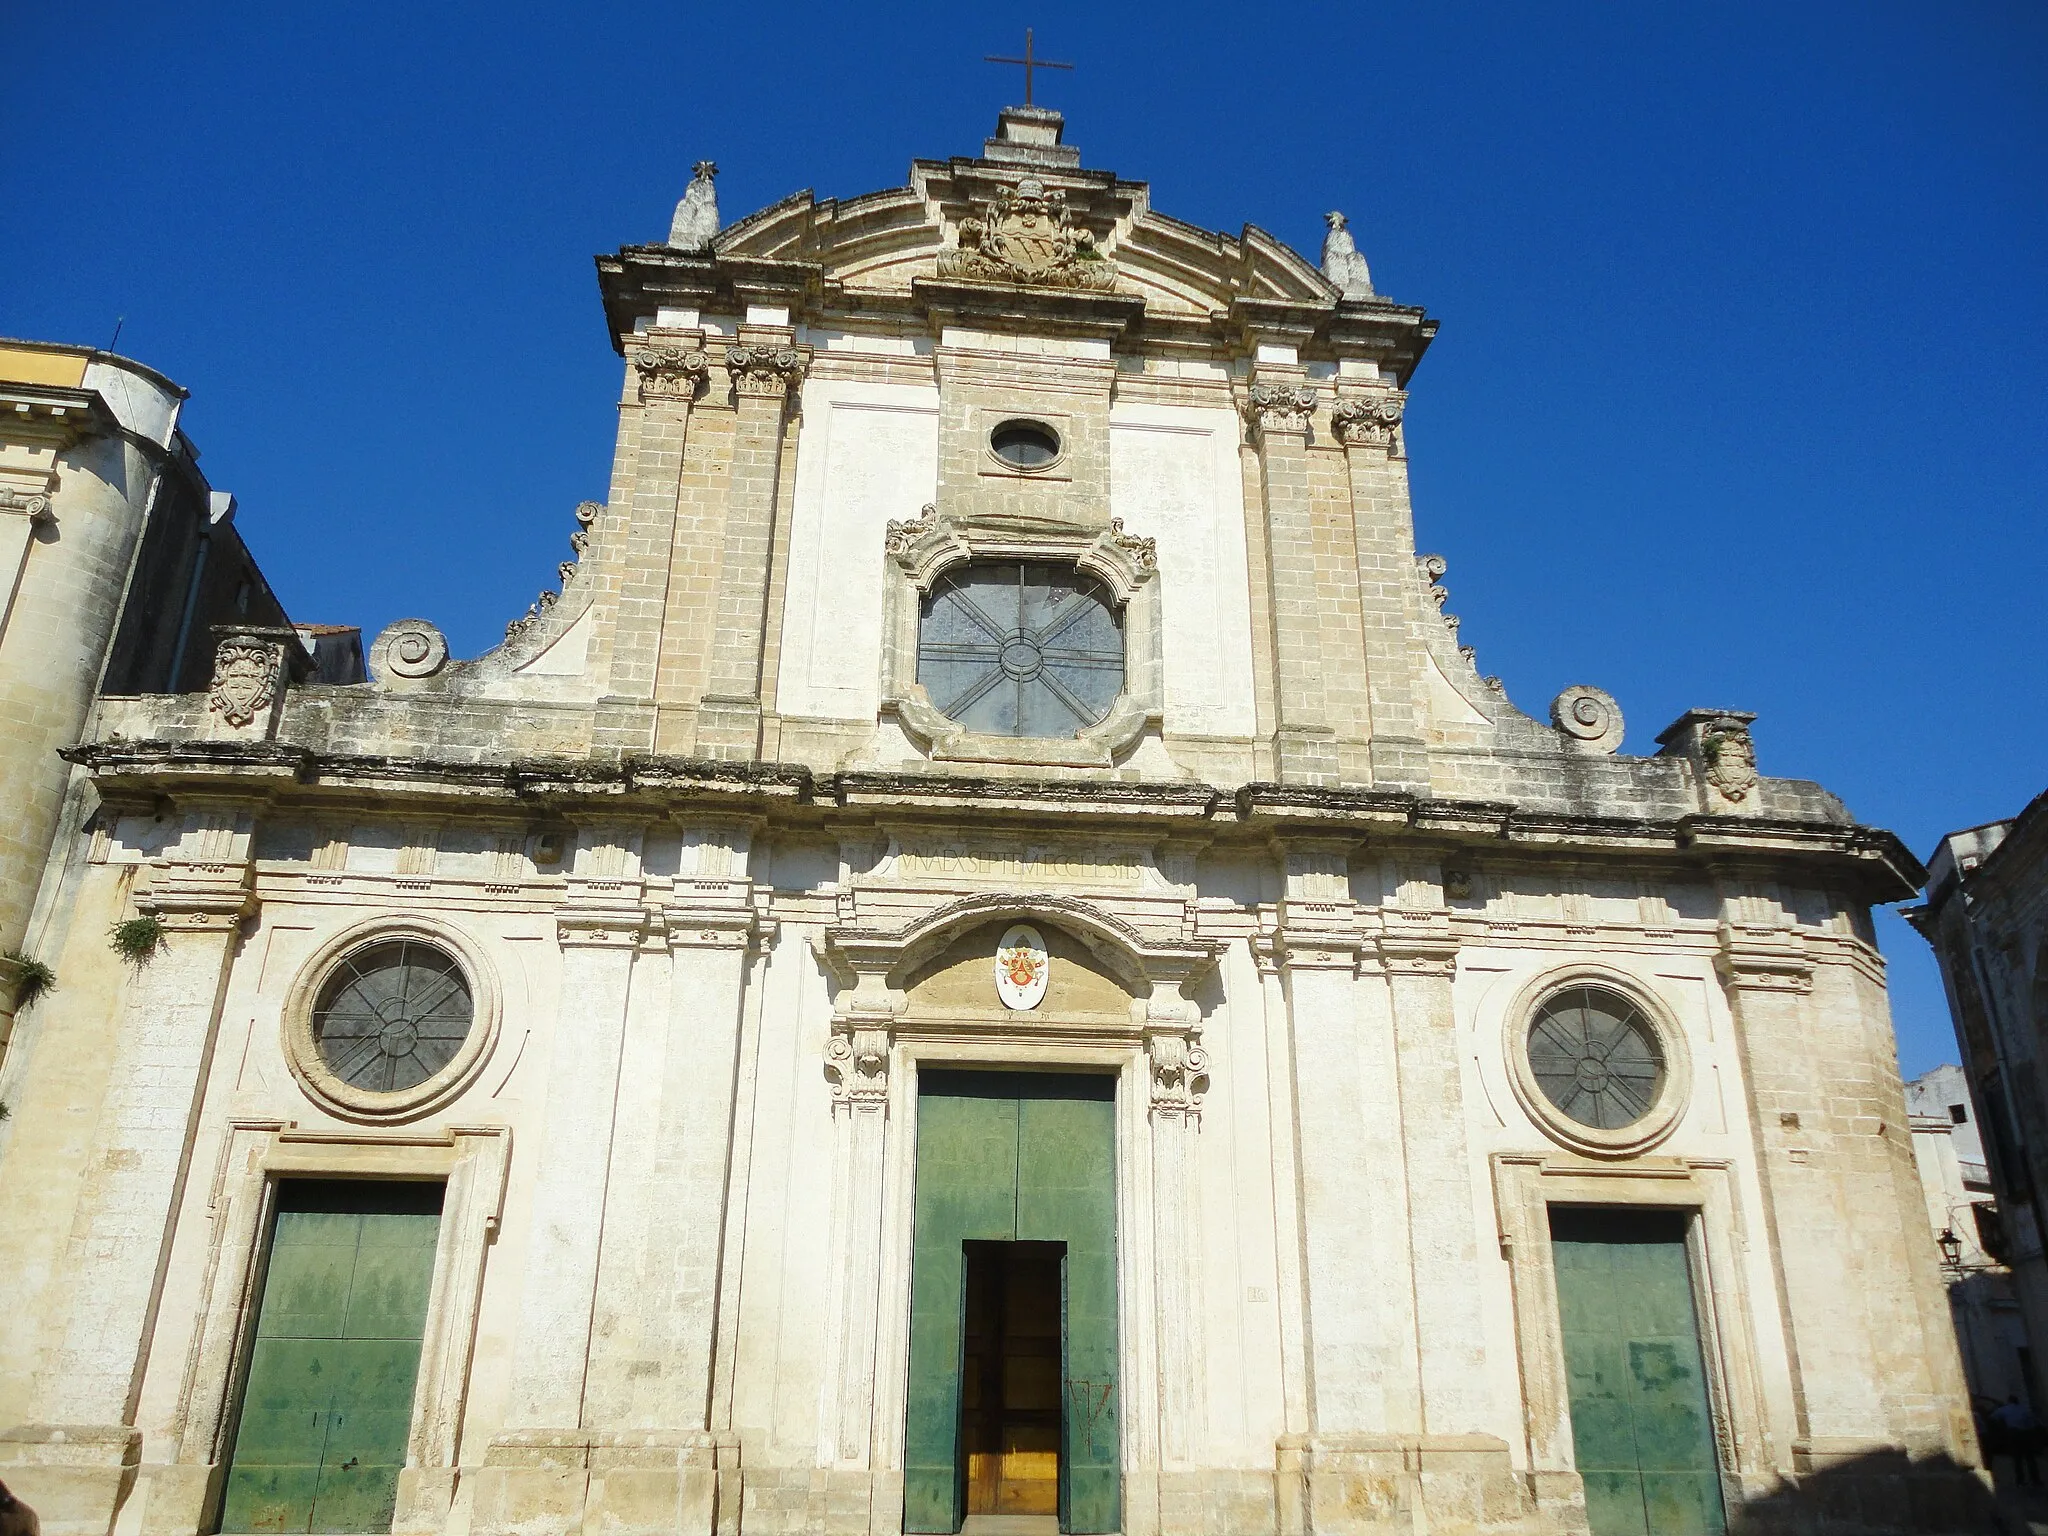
[
  {"x": 670, "y": 373},
  {"x": 1281, "y": 407},
  {"x": 1369, "y": 421},
  {"x": 769, "y": 371}
]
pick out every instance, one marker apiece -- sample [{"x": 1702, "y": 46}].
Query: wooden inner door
[{"x": 1010, "y": 1388}]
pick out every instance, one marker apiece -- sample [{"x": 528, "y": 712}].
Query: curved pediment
[{"x": 884, "y": 241}]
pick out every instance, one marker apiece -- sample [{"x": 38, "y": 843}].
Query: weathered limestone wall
[{"x": 661, "y": 1319}]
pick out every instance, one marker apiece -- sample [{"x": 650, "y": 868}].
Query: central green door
[
  {"x": 1014, "y": 1157},
  {"x": 1642, "y": 1434},
  {"x": 328, "y": 1402}
]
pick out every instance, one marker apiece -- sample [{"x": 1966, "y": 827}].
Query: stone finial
[
  {"x": 1588, "y": 718},
  {"x": 696, "y": 220},
  {"x": 1342, "y": 264},
  {"x": 409, "y": 648}
]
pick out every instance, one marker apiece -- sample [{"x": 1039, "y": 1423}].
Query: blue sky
[{"x": 1737, "y": 401}]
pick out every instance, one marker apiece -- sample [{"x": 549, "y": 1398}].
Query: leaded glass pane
[
  {"x": 1021, "y": 648},
  {"x": 1596, "y": 1057},
  {"x": 392, "y": 1015}
]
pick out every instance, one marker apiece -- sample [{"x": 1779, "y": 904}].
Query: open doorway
[{"x": 1011, "y": 1441}]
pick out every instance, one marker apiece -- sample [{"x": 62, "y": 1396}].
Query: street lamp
[{"x": 1951, "y": 1248}]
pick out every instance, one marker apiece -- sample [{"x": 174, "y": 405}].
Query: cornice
[
  {"x": 1872, "y": 860},
  {"x": 44, "y": 411}
]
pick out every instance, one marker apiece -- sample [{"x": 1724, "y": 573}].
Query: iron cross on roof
[{"x": 1028, "y": 61}]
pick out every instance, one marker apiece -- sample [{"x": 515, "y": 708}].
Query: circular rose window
[
  {"x": 392, "y": 1015},
  {"x": 1596, "y": 1058}
]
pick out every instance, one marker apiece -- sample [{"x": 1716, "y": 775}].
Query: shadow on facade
[{"x": 1881, "y": 1493}]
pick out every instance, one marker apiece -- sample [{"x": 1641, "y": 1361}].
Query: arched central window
[{"x": 1021, "y": 648}]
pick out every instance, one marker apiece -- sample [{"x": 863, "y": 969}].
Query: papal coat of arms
[
  {"x": 1022, "y": 968},
  {"x": 1025, "y": 237}
]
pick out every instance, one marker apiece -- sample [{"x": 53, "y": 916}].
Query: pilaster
[
  {"x": 113, "y": 1267},
  {"x": 1418, "y": 953},
  {"x": 1768, "y": 977},
  {"x": 1358, "y": 1291},
  {"x": 1383, "y": 528},
  {"x": 858, "y": 1063},
  {"x": 537, "y": 1476},
  {"x": 669, "y": 367},
  {"x": 1280, "y": 405},
  {"x": 766, "y": 368},
  {"x": 653, "y": 1347},
  {"x": 1178, "y": 1072}
]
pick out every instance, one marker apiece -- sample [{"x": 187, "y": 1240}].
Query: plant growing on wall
[
  {"x": 32, "y": 979},
  {"x": 138, "y": 938}
]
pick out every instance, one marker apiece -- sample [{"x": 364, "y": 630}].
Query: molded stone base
[
  {"x": 555, "y": 1483},
  {"x": 75, "y": 1477},
  {"x": 1332, "y": 1485}
]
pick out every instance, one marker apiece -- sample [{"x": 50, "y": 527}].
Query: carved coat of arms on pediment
[{"x": 1027, "y": 237}]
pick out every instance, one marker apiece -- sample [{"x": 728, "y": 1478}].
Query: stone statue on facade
[
  {"x": 1342, "y": 264},
  {"x": 696, "y": 220}
]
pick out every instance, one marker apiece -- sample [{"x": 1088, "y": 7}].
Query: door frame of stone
[
  {"x": 875, "y": 1056},
  {"x": 1137, "y": 1356},
  {"x": 473, "y": 1162},
  {"x": 1526, "y": 1186}
]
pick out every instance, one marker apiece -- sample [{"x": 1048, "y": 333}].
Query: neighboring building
[
  {"x": 1986, "y": 915},
  {"x": 987, "y": 953},
  {"x": 1964, "y": 1220},
  {"x": 116, "y": 558}
]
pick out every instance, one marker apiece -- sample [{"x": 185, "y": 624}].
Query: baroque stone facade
[{"x": 1002, "y": 655}]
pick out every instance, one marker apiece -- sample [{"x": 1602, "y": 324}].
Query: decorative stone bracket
[{"x": 922, "y": 549}]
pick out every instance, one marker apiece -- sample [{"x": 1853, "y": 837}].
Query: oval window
[
  {"x": 1025, "y": 444},
  {"x": 392, "y": 1015},
  {"x": 1021, "y": 648},
  {"x": 1596, "y": 1057}
]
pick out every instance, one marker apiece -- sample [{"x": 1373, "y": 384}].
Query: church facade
[{"x": 984, "y": 955}]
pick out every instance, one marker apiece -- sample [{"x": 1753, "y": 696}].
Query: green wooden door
[
  {"x": 1014, "y": 1157},
  {"x": 1642, "y": 1434},
  {"x": 328, "y": 1399}
]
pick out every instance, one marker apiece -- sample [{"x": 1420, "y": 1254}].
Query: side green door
[
  {"x": 1642, "y": 1435},
  {"x": 1014, "y": 1157},
  {"x": 328, "y": 1398}
]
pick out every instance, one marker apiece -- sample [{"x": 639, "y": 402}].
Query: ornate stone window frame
[
  {"x": 873, "y": 1063},
  {"x": 922, "y": 550},
  {"x": 330, "y": 1092},
  {"x": 256, "y": 1155},
  {"x": 1673, "y": 1099},
  {"x": 1526, "y": 1186}
]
